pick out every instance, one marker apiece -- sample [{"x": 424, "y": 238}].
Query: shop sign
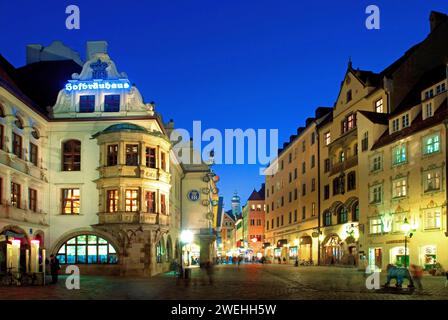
[
  {"x": 76, "y": 85},
  {"x": 193, "y": 195}
]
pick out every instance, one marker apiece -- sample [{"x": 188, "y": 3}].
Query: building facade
[{"x": 88, "y": 172}]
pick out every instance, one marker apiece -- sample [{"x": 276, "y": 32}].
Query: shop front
[
  {"x": 428, "y": 257},
  {"x": 332, "y": 250},
  {"x": 305, "y": 252},
  {"x": 399, "y": 257}
]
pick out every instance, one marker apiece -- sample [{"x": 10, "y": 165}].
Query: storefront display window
[{"x": 87, "y": 249}]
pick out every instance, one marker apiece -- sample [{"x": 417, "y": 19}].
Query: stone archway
[{"x": 18, "y": 233}]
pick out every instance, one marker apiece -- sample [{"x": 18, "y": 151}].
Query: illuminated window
[
  {"x": 132, "y": 155},
  {"x": 112, "y": 103},
  {"x": 159, "y": 252},
  {"x": 433, "y": 219},
  {"x": 71, "y": 155},
  {"x": 327, "y": 138},
  {"x": 15, "y": 195},
  {"x": 375, "y": 226},
  {"x": 70, "y": 201},
  {"x": 162, "y": 204},
  {"x": 131, "y": 201},
  {"x": 431, "y": 144},
  {"x": 112, "y": 200},
  {"x": 17, "y": 145},
  {"x": 399, "y": 188},
  {"x": 150, "y": 198},
  {"x": 379, "y": 106},
  {"x": 33, "y": 154},
  {"x": 432, "y": 180},
  {"x": 348, "y": 123},
  {"x": 87, "y": 249},
  {"x": 399, "y": 155},
  {"x": 112, "y": 155},
  {"x": 150, "y": 157},
  {"x": 32, "y": 200},
  {"x": 87, "y": 103},
  {"x": 163, "y": 161}
]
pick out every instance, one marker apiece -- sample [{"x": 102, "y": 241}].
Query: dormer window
[
  {"x": 112, "y": 103},
  {"x": 440, "y": 88},
  {"x": 348, "y": 123},
  {"x": 405, "y": 121},
  {"x": 428, "y": 110},
  {"x": 429, "y": 94},
  {"x": 86, "y": 103},
  {"x": 379, "y": 106},
  {"x": 395, "y": 125}
]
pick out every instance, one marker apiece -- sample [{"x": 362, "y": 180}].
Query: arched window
[
  {"x": 87, "y": 249},
  {"x": 169, "y": 247},
  {"x": 327, "y": 218},
  {"x": 355, "y": 212},
  {"x": 159, "y": 252},
  {"x": 19, "y": 123},
  {"x": 342, "y": 215},
  {"x": 71, "y": 155}
]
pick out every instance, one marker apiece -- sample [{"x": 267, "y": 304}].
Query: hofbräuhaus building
[{"x": 88, "y": 173}]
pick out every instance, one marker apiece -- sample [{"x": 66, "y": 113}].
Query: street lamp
[
  {"x": 406, "y": 228},
  {"x": 186, "y": 237}
]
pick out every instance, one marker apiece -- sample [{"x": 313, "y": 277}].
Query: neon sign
[{"x": 97, "y": 85}]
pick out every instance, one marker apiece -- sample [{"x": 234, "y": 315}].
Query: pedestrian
[
  {"x": 279, "y": 260},
  {"x": 417, "y": 274},
  {"x": 446, "y": 281},
  {"x": 284, "y": 260},
  {"x": 54, "y": 268}
]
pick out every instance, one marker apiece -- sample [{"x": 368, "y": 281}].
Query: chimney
[
  {"x": 94, "y": 47},
  {"x": 437, "y": 18}
]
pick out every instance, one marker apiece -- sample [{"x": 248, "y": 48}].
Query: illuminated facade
[
  {"x": 254, "y": 216},
  {"x": 94, "y": 177}
]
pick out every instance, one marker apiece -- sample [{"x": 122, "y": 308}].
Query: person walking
[
  {"x": 54, "y": 269},
  {"x": 417, "y": 274}
]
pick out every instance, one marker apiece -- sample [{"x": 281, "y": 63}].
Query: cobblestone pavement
[{"x": 251, "y": 281}]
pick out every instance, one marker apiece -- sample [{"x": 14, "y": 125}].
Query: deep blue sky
[{"x": 231, "y": 64}]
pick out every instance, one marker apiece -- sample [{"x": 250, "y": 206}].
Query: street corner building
[
  {"x": 364, "y": 183},
  {"x": 88, "y": 172}
]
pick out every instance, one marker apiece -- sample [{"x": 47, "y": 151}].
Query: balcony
[
  {"x": 22, "y": 215},
  {"x": 342, "y": 166},
  {"x": 135, "y": 172},
  {"x": 134, "y": 218}
]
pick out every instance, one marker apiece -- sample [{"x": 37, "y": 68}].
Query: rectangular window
[
  {"x": 290, "y": 157},
  {"x": 313, "y": 161},
  {"x": 405, "y": 121},
  {"x": 87, "y": 103},
  {"x": 326, "y": 192},
  {"x": 351, "y": 181},
  {"x": 433, "y": 219},
  {"x": 112, "y": 200},
  {"x": 399, "y": 188},
  {"x": 295, "y": 173},
  {"x": 132, "y": 154},
  {"x": 327, "y": 165},
  {"x": 313, "y": 209},
  {"x": 295, "y": 194},
  {"x": 131, "y": 201},
  {"x": 379, "y": 106},
  {"x": 349, "y": 96},
  {"x": 162, "y": 204},
  {"x": 313, "y": 138},
  {"x": 290, "y": 217},
  {"x": 112, "y": 103},
  {"x": 282, "y": 220},
  {"x": 432, "y": 181},
  {"x": 428, "y": 110},
  {"x": 395, "y": 125},
  {"x": 150, "y": 155},
  {"x": 32, "y": 199},
  {"x": 376, "y": 194},
  {"x": 375, "y": 226},
  {"x": 295, "y": 215},
  {"x": 70, "y": 201},
  {"x": 33, "y": 154},
  {"x": 327, "y": 138},
  {"x": 17, "y": 145},
  {"x": 365, "y": 142},
  {"x": 163, "y": 161},
  {"x": 377, "y": 163},
  {"x": 303, "y": 213},
  {"x": 303, "y": 189},
  {"x": 15, "y": 195},
  {"x": 431, "y": 144},
  {"x": 399, "y": 155},
  {"x": 303, "y": 167},
  {"x": 313, "y": 184},
  {"x": 112, "y": 155}
]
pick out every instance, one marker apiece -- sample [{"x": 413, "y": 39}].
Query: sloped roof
[{"x": 375, "y": 117}]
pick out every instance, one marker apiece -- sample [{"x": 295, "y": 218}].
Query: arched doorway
[
  {"x": 305, "y": 251},
  {"x": 332, "y": 250},
  {"x": 15, "y": 233}
]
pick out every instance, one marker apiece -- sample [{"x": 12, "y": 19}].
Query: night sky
[{"x": 231, "y": 64}]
